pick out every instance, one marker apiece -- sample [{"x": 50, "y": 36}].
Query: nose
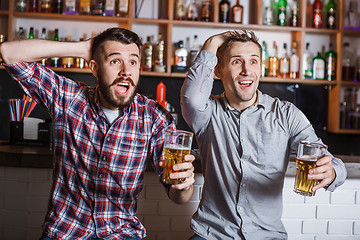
[
  {"x": 244, "y": 69},
  {"x": 124, "y": 70}
]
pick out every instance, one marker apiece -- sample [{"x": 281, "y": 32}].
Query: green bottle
[
  {"x": 330, "y": 67},
  {"x": 55, "y": 62},
  {"x": 318, "y": 67},
  {"x": 264, "y": 61},
  {"x": 281, "y": 12},
  {"x": 331, "y": 12},
  {"x": 31, "y": 33}
]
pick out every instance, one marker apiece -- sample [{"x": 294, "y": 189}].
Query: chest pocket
[{"x": 271, "y": 150}]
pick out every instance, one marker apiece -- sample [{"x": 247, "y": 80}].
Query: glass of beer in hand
[
  {"x": 177, "y": 144},
  {"x": 307, "y": 155}
]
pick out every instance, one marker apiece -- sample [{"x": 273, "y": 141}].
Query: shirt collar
[{"x": 260, "y": 102}]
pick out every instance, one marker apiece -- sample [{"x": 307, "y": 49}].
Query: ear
[
  {"x": 217, "y": 71},
  {"x": 93, "y": 67}
]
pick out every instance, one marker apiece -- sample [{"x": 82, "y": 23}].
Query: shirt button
[
  {"x": 243, "y": 139},
  {"x": 243, "y": 116},
  {"x": 100, "y": 175},
  {"x": 108, "y": 139},
  {"x": 88, "y": 231},
  {"x": 243, "y": 228},
  {"x": 243, "y": 161},
  {"x": 243, "y": 185},
  {"x": 240, "y": 208}
]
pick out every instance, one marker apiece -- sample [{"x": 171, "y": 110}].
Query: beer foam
[{"x": 310, "y": 158}]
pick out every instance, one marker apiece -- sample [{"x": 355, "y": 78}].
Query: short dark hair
[
  {"x": 237, "y": 36},
  {"x": 122, "y": 35}
]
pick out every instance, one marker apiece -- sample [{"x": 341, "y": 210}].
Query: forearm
[
  {"x": 181, "y": 196},
  {"x": 31, "y": 50}
]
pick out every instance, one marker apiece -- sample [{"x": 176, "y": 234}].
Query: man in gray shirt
[{"x": 246, "y": 139}]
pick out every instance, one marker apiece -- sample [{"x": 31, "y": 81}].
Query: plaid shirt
[{"x": 99, "y": 168}]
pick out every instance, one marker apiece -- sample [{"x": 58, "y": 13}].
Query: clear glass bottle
[
  {"x": 284, "y": 65},
  {"x": 181, "y": 55},
  {"x": 318, "y": 67},
  {"x": 21, "y": 33},
  {"x": 194, "y": 50},
  {"x": 294, "y": 61},
  {"x": 147, "y": 55},
  {"x": 307, "y": 62},
  {"x": 192, "y": 11},
  {"x": 237, "y": 12},
  {"x": 268, "y": 16},
  {"x": 180, "y": 10}
]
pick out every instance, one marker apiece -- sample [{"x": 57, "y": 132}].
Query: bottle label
[
  {"x": 317, "y": 19},
  {"x": 180, "y": 9},
  {"x": 284, "y": 67},
  {"x": 294, "y": 63},
  {"x": 319, "y": 69},
  {"x": 148, "y": 56}
]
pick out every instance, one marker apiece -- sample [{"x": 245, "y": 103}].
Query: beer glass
[
  {"x": 177, "y": 144},
  {"x": 307, "y": 155}
]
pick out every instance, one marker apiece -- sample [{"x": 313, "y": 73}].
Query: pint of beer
[
  {"x": 177, "y": 144},
  {"x": 308, "y": 154}
]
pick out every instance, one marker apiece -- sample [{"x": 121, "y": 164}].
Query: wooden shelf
[{"x": 4, "y": 13}]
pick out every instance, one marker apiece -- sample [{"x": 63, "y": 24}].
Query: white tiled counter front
[{"x": 327, "y": 216}]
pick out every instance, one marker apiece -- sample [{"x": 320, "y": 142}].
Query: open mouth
[
  {"x": 246, "y": 83},
  {"x": 122, "y": 87}
]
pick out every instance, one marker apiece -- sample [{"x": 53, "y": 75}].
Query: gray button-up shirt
[{"x": 244, "y": 157}]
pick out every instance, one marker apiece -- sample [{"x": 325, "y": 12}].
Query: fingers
[
  {"x": 324, "y": 172},
  {"x": 184, "y": 170}
]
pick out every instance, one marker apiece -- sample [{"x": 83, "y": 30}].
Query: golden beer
[
  {"x": 173, "y": 156},
  {"x": 303, "y": 185}
]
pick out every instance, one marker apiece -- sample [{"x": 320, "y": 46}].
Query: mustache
[{"x": 119, "y": 80}]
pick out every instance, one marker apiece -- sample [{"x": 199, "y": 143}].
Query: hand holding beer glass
[
  {"x": 177, "y": 144},
  {"x": 307, "y": 155}
]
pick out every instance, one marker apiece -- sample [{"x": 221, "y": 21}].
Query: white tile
[
  {"x": 301, "y": 237},
  {"x": 293, "y": 226},
  {"x": 289, "y": 196},
  {"x": 157, "y": 223},
  {"x": 37, "y": 204},
  {"x": 35, "y": 220},
  {"x": 15, "y": 232},
  {"x": 15, "y": 218},
  {"x": 15, "y": 203},
  {"x": 357, "y": 201},
  {"x": 174, "y": 235},
  {"x": 2, "y": 201},
  {"x": 338, "y": 212},
  {"x": 39, "y": 174},
  {"x": 299, "y": 211},
  {"x": 2, "y": 172},
  {"x": 340, "y": 227},
  {"x": 321, "y": 197},
  {"x": 151, "y": 178},
  {"x": 155, "y": 192},
  {"x": 357, "y": 227},
  {"x": 16, "y": 188},
  {"x": 336, "y": 237},
  {"x": 343, "y": 196},
  {"x": 314, "y": 226},
  {"x": 40, "y": 188},
  {"x": 34, "y": 233},
  {"x": 350, "y": 183},
  {"x": 15, "y": 173}
]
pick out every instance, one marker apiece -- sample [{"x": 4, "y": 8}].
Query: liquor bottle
[
  {"x": 205, "y": 10},
  {"x": 237, "y": 12},
  {"x": 109, "y": 8},
  {"x": 84, "y": 7},
  {"x": 69, "y": 7},
  {"x": 284, "y": 68},
  {"x": 307, "y": 62},
  {"x": 273, "y": 62},
  {"x": 21, "y": 5},
  {"x": 122, "y": 8},
  {"x": 31, "y": 33},
  {"x": 43, "y": 35},
  {"x": 159, "y": 63},
  {"x": 147, "y": 57},
  {"x": 68, "y": 62},
  {"x": 161, "y": 94},
  {"x": 21, "y": 33},
  {"x": 264, "y": 61},
  {"x": 317, "y": 16},
  {"x": 192, "y": 11},
  {"x": 281, "y": 14},
  {"x": 56, "y": 62},
  {"x": 181, "y": 55},
  {"x": 294, "y": 62},
  {"x": 194, "y": 50},
  {"x": 97, "y": 7},
  {"x": 294, "y": 19},
  {"x": 330, "y": 59},
  {"x": 180, "y": 10},
  {"x": 348, "y": 63},
  {"x": 318, "y": 67},
  {"x": 331, "y": 14},
  {"x": 33, "y": 6},
  {"x": 224, "y": 11},
  {"x": 268, "y": 17},
  {"x": 45, "y": 6},
  {"x": 58, "y": 6}
]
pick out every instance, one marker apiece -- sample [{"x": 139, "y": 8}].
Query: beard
[{"x": 114, "y": 101}]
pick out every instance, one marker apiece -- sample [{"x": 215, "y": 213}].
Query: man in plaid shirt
[{"x": 104, "y": 136}]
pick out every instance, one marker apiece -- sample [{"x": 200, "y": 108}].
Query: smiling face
[
  {"x": 239, "y": 71},
  {"x": 117, "y": 71}
]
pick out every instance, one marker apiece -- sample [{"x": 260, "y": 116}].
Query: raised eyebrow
[{"x": 117, "y": 53}]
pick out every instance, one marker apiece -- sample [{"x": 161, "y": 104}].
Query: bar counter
[{"x": 39, "y": 157}]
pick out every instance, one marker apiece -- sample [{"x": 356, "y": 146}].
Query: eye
[
  {"x": 133, "y": 62},
  {"x": 115, "y": 61},
  {"x": 236, "y": 61},
  {"x": 254, "y": 61}
]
